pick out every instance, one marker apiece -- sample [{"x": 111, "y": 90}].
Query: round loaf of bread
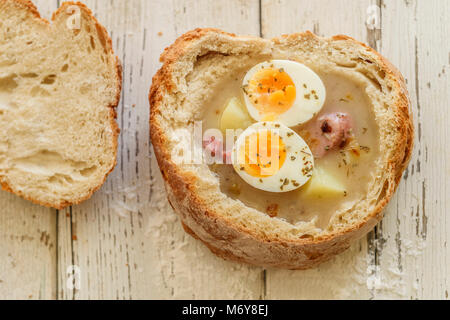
[{"x": 194, "y": 68}]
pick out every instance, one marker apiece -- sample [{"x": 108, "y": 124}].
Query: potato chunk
[
  {"x": 324, "y": 185},
  {"x": 235, "y": 116}
]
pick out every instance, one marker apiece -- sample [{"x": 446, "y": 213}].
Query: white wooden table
[{"x": 126, "y": 242}]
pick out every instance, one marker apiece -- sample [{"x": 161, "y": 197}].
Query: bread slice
[
  {"x": 201, "y": 58},
  {"x": 59, "y": 86}
]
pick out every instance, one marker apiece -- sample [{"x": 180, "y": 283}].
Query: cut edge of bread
[
  {"x": 227, "y": 237},
  {"x": 115, "y": 130}
]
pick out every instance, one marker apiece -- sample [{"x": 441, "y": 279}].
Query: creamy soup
[{"x": 343, "y": 95}]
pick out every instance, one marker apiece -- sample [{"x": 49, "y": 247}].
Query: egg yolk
[
  {"x": 272, "y": 92},
  {"x": 263, "y": 154}
]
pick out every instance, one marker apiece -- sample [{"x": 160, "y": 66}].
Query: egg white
[
  {"x": 303, "y": 109},
  {"x": 297, "y": 167}
]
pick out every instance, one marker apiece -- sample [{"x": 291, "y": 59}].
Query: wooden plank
[
  {"x": 27, "y": 250},
  {"x": 345, "y": 275},
  {"x": 410, "y": 236},
  {"x": 433, "y": 83},
  {"x": 323, "y": 17},
  {"x": 400, "y": 231},
  {"x": 126, "y": 241},
  {"x": 399, "y": 252},
  {"x": 27, "y": 239}
]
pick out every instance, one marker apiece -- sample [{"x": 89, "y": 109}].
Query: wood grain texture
[
  {"x": 27, "y": 250},
  {"x": 127, "y": 242},
  {"x": 423, "y": 202},
  {"x": 401, "y": 233},
  {"x": 28, "y": 267}
]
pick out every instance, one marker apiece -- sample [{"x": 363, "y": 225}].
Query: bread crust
[
  {"x": 231, "y": 241},
  {"x": 28, "y": 4}
]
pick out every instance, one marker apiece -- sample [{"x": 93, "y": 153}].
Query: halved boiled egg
[
  {"x": 271, "y": 157},
  {"x": 284, "y": 91}
]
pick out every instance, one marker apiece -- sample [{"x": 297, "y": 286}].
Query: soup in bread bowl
[{"x": 279, "y": 152}]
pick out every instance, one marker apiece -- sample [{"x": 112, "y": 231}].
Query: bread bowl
[
  {"x": 59, "y": 86},
  {"x": 196, "y": 76}
]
